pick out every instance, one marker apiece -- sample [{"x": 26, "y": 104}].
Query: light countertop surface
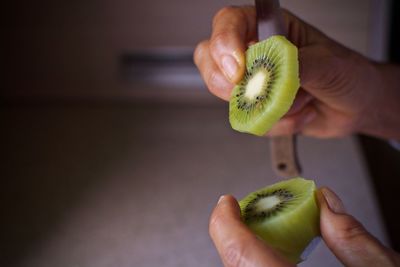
[{"x": 134, "y": 185}]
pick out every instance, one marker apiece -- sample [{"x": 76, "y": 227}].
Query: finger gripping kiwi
[
  {"x": 285, "y": 215},
  {"x": 268, "y": 87}
]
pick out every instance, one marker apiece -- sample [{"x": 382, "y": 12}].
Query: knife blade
[{"x": 283, "y": 148}]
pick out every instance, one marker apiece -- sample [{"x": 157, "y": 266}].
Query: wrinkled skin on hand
[{"x": 341, "y": 91}]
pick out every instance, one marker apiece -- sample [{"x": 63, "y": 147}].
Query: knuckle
[
  {"x": 335, "y": 71},
  {"x": 352, "y": 230},
  {"x": 233, "y": 255},
  {"x": 218, "y": 85},
  {"x": 215, "y": 223},
  {"x": 224, "y": 12},
  {"x": 219, "y": 40},
  {"x": 199, "y": 52},
  {"x": 212, "y": 79},
  {"x": 214, "y": 220}
]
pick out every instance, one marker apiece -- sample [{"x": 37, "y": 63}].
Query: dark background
[{"x": 384, "y": 160}]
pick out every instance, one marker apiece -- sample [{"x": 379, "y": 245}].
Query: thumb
[
  {"x": 236, "y": 244},
  {"x": 347, "y": 238}
]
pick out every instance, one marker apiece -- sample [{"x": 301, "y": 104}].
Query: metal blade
[
  {"x": 283, "y": 148},
  {"x": 269, "y": 19}
]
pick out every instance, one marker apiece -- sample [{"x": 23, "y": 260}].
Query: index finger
[
  {"x": 235, "y": 243},
  {"x": 233, "y": 29}
]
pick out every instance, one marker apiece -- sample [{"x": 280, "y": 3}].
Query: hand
[
  {"x": 344, "y": 236},
  {"x": 341, "y": 91}
]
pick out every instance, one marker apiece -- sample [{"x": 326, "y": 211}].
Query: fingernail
[
  {"x": 220, "y": 199},
  {"x": 334, "y": 202},
  {"x": 230, "y": 66}
]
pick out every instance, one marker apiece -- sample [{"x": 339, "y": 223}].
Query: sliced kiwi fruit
[
  {"x": 268, "y": 87},
  {"x": 285, "y": 215}
]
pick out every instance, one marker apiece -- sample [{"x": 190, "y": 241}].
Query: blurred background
[{"x": 114, "y": 153}]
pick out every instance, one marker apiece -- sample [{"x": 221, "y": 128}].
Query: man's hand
[
  {"x": 341, "y": 91},
  {"x": 342, "y": 233}
]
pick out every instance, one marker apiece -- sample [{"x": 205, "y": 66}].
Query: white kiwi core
[
  {"x": 267, "y": 203},
  {"x": 256, "y": 84}
]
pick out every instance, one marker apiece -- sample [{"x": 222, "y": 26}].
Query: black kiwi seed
[
  {"x": 250, "y": 213},
  {"x": 250, "y": 105}
]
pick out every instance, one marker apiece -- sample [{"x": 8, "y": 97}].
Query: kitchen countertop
[{"x": 134, "y": 184}]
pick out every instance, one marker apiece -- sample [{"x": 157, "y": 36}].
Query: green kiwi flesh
[
  {"x": 268, "y": 87},
  {"x": 285, "y": 215}
]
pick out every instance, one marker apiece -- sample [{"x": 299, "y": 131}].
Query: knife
[{"x": 283, "y": 148}]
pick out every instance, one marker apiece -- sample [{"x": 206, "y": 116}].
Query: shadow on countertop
[
  {"x": 51, "y": 157},
  {"x": 384, "y": 167}
]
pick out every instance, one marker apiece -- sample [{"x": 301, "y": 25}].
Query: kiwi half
[
  {"x": 268, "y": 87},
  {"x": 285, "y": 215}
]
